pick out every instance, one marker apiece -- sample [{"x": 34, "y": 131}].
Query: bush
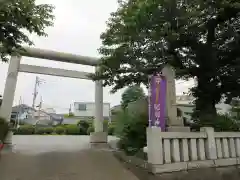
[
  {"x": 60, "y": 130},
  {"x": 72, "y": 130},
  {"x": 40, "y": 130},
  {"x": 219, "y": 123},
  {"x": 25, "y": 130},
  {"x": 111, "y": 129},
  {"x": 3, "y": 129},
  {"x": 48, "y": 130},
  {"x": 90, "y": 129},
  {"x": 131, "y": 130},
  {"x": 84, "y": 125},
  {"x": 120, "y": 120},
  {"x": 105, "y": 125}
]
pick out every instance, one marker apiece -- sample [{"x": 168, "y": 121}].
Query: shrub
[
  {"x": 132, "y": 131},
  {"x": 3, "y": 129},
  {"x": 221, "y": 122},
  {"x": 40, "y": 130},
  {"x": 91, "y": 122},
  {"x": 105, "y": 125},
  {"x": 60, "y": 130},
  {"x": 90, "y": 129},
  {"x": 84, "y": 125},
  {"x": 121, "y": 118},
  {"x": 48, "y": 130},
  {"x": 25, "y": 130},
  {"x": 111, "y": 129},
  {"x": 72, "y": 130}
]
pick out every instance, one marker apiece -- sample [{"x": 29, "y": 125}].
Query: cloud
[{"x": 77, "y": 28}]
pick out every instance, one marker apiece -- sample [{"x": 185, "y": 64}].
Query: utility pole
[
  {"x": 38, "y": 81},
  {"x": 39, "y": 108},
  {"x": 35, "y": 92},
  {"x": 18, "y": 118}
]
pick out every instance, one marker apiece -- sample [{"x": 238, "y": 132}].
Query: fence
[{"x": 177, "y": 151}]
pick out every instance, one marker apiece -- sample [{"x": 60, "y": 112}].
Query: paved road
[{"x": 61, "y": 163}]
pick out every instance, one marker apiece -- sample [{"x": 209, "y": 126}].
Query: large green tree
[
  {"x": 199, "y": 38},
  {"x": 18, "y": 18},
  {"x": 132, "y": 94}
]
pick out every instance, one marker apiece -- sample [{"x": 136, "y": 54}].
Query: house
[
  {"x": 185, "y": 104},
  {"x": 22, "y": 112},
  {"x": 70, "y": 120},
  {"x": 28, "y": 115},
  {"x": 49, "y": 110},
  {"x": 86, "y": 110}
]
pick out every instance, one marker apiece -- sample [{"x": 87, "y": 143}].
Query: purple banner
[{"x": 157, "y": 101}]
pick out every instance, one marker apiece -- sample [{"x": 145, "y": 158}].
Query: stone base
[
  {"x": 98, "y": 137},
  {"x": 178, "y": 129},
  {"x": 100, "y": 146},
  {"x": 99, "y": 140},
  {"x": 8, "y": 146}
]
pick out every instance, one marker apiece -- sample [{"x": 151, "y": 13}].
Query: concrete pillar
[
  {"x": 171, "y": 110},
  {"x": 211, "y": 149},
  {"x": 174, "y": 123},
  {"x": 99, "y": 136},
  {"x": 154, "y": 146},
  {"x": 98, "y": 121},
  {"x": 10, "y": 87},
  {"x": 9, "y": 91}
]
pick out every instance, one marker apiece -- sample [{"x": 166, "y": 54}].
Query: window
[{"x": 82, "y": 107}]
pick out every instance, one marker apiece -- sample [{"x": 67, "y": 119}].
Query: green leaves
[
  {"x": 132, "y": 94},
  {"x": 19, "y": 17},
  {"x": 200, "y": 39}
]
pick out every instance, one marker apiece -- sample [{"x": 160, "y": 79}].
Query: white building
[
  {"x": 87, "y": 109},
  {"x": 185, "y": 104},
  {"x": 49, "y": 110}
]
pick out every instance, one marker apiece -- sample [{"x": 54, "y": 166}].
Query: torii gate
[{"x": 15, "y": 66}]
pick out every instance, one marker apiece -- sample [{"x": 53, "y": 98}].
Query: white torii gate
[{"x": 15, "y": 66}]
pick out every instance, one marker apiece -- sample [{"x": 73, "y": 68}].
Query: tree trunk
[{"x": 206, "y": 98}]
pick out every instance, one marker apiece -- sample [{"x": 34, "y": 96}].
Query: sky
[{"x": 77, "y": 28}]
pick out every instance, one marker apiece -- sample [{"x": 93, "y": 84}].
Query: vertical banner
[{"x": 157, "y": 101}]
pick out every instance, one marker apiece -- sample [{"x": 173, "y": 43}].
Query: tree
[
  {"x": 17, "y": 19},
  {"x": 131, "y": 94},
  {"x": 200, "y": 39}
]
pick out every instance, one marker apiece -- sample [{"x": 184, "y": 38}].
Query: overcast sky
[{"x": 77, "y": 28}]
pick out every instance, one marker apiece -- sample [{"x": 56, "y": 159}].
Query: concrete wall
[
  {"x": 182, "y": 151},
  {"x": 90, "y": 109}
]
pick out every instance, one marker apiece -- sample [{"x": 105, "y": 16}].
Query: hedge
[
  {"x": 60, "y": 130},
  {"x": 82, "y": 128},
  {"x": 25, "y": 130}
]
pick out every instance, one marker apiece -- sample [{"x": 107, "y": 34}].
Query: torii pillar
[
  {"x": 8, "y": 95},
  {"x": 174, "y": 124},
  {"x": 98, "y": 137}
]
